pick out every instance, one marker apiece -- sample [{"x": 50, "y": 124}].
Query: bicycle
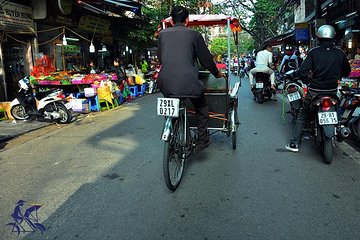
[{"x": 179, "y": 143}]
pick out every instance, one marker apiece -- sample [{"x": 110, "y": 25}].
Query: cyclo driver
[{"x": 179, "y": 48}]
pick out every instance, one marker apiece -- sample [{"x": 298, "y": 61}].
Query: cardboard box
[{"x": 80, "y": 105}]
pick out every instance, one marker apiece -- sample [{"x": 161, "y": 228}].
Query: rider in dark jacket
[{"x": 327, "y": 64}]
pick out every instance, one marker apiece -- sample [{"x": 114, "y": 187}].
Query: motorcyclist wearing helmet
[{"x": 327, "y": 64}]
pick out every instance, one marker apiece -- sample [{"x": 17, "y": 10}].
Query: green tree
[
  {"x": 219, "y": 46},
  {"x": 262, "y": 19}
]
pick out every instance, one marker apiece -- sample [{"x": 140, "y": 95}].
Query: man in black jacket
[
  {"x": 327, "y": 64},
  {"x": 179, "y": 49}
]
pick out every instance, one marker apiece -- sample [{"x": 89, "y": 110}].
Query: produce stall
[{"x": 86, "y": 92}]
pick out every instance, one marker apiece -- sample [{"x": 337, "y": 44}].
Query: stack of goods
[
  {"x": 64, "y": 78},
  {"x": 355, "y": 69}
]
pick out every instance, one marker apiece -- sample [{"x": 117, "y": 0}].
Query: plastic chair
[
  {"x": 94, "y": 103},
  {"x": 133, "y": 91},
  {"x": 3, "y": 114},
  {"x": 142, "y": 89},
  {"x": 108, "y": 105}
]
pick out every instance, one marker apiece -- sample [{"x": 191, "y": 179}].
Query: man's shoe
[
  {"x": 202, "y": 146},
  {"x": 292, "y": 147}
]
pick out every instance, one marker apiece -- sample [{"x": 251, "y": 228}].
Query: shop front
[{"x": 17, "y": 37}]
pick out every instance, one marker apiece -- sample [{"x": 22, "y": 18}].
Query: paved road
[{"x": 101, "y": 178}]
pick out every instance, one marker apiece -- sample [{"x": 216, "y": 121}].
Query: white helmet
[{"x": 326, "y": 32}]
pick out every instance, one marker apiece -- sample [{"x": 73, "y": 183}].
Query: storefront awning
[{"x": 280, "y": 39}]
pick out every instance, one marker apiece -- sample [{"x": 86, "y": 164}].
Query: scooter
[
  {"x": 51, "y": 104},
  {"x": 295, "y": 92},
  {"x": 262, "y": 87}
]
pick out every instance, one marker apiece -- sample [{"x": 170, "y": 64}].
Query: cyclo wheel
[
  {"x": 174, "y": 154},
  {"x": 234, "y": 122}
]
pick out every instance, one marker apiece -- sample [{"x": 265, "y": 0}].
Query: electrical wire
[{"x": 47, "y": 30}]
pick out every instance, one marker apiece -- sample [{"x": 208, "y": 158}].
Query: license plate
[
  {"x": 259, "y": 85},
  {"x": 327, "y": 118},
  {"x": 168, "y": 107},
  {"x": 356, "y": 112},
  {"x": 68, "y": 105},
  {"x": 293, "y": 96}
]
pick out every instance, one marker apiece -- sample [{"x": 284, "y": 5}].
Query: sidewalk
[{"x": 12, "y": 128}]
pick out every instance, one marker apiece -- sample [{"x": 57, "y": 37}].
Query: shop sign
[
  {"x": 65, "y": 6},
  {"x": 71, "y": 49},
  {"x": 64, "y": 21},
  {"x": 92, "y": 23},
  {"x": 302, "y": 34},
  {"x": 15, "y": 17}
]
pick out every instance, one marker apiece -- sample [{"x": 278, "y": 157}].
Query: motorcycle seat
[{"x": 262, "y": 76}]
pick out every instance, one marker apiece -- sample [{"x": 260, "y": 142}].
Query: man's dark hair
[
  {"x": 179, "y": 14},
  {"x": 266, "y": 46}
]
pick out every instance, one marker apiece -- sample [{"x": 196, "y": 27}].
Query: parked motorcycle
[
  {"x": 51, "y": 104},
  {"x": 349, "y": 110},
  {"x": 152, "y": 80},
  {"x": 262, "y": 87}
]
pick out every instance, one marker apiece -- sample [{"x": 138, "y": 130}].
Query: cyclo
[{"x": 180, "y": 132}]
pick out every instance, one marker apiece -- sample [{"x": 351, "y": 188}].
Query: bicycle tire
[
  {"x": 234, "y": 120},
  {"x": 174, "y": 155}
]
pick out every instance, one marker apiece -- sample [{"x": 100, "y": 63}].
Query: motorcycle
[
  {"x": 51, "y": 104},
  {"x": 295, "y": 92},
  {"x": 349, "y": 110},
  {"x": 324, "y": 125},
  {"x": 262, "y": 87},
  {"x": 152, "y": 80}
]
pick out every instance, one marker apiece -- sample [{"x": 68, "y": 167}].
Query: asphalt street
[{"x": 102, "y": 178}]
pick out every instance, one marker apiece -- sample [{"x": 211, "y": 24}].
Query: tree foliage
[
  {"x": 153, "y": 11},
  {"x": 219, "y": 46},
  {"x": 262, "y": 19}
]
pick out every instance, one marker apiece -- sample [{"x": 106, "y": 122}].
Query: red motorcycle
[{"x": 152, "y": 80}]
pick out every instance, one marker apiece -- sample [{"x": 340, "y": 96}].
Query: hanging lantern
[{"x": 92, "y": 47}]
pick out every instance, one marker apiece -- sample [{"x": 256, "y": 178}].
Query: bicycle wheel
[
  {"x": 174, "y": 155},
  {"x": 234, "y": 126}
]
